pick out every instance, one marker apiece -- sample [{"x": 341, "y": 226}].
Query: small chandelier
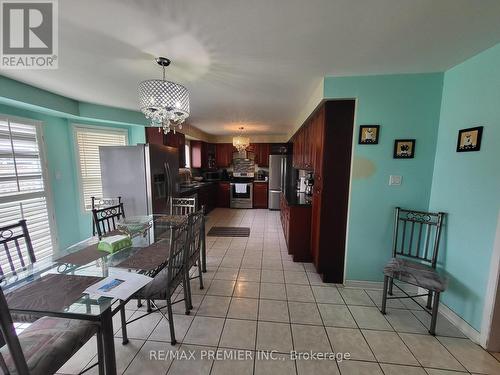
[
  {"x": 163, "y": 102},
  {"x": 240, "y": 142}
]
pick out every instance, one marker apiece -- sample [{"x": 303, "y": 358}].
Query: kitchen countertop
[
  {"x": 297, "y": 199},
  {"x": 195, "y": 186}
]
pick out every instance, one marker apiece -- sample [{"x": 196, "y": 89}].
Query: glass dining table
[{"x": 55, "y": 287}]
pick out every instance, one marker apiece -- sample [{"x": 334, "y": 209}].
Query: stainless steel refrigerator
[
  {"x": 280, "y": 170},
  {"x": 145, "y": 176}
]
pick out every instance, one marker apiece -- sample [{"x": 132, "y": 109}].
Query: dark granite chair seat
[
  {"x": 415, "y": 273},
  {"x": 158, "y": 288},
  {"x": 49, "y": 342}
]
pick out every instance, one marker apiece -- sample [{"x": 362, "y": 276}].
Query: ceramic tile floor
[{"x": 255, "y": 298}]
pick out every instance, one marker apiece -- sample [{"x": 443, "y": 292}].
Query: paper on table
[{"x": 119, "y": 285}]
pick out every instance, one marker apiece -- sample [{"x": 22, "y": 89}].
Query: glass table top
[{"x": 82, "y": 264}]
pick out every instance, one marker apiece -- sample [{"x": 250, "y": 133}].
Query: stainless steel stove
[{"x": 242, "y": 185}]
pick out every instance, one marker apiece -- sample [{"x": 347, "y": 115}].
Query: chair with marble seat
[
  {"x": 414, "y": 258},
  {"x": 44, "y": 346}
]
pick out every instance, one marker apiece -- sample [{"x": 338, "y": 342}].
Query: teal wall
[
  {"x": 405, "y": 106},
  {"x": 58, "y": 114},
  {"x": 467, "y": 185}
]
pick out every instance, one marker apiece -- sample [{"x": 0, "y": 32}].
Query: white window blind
[
  {"x": 88, "y": 140},
  {"x": 22, "y": 187}
]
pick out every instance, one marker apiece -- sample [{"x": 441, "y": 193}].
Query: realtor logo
[{"x": 29, "y": 34}]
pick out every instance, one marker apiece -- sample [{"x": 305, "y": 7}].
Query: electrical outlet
[{"x": 395, "y": 180}]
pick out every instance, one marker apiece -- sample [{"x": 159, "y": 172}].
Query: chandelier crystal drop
[
  {"x": 164, "y": 103},
  {"x": 240, "y": 142}
]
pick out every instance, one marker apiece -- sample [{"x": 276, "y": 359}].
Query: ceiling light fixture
[
  {"x": 163, "y": 102},
  {"x": 240, "y": 142}
]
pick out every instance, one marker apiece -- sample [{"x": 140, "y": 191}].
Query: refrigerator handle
[
  {"x": 283, "y": 174},
  {"x": 167, "y": 184}
]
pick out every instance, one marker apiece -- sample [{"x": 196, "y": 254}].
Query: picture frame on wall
[
  {"x": 469, "y": 139},
  {"x": 404, "y": 149},
  {"x": 368, "y": 134}
]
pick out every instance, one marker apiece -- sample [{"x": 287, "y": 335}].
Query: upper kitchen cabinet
[
  {"x": 177, "y": 140},
  {"x": 261, "y": 151},
  {"x": 154, "y": 135},
  {"x": 303, "y": 146},
  {"x": 280, "y": 148},
  {"x": 298, "y": 149},
  {"x": 224, "y": 154},
  {"x": 208, "y": 151}
]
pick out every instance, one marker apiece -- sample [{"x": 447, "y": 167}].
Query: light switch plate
[{"x": 395, "y": 180}]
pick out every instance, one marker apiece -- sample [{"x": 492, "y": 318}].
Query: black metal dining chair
[
  {"x": 98, "y": 203},
  {"x": 183, "y": 206},
  {"x": 186, "y": 206},
  {"x": 414, "y": 258},
  {"x": 196, "y": 224},
  {"x": 106, "y": 218},
  {"x": 165, "y": 283},
  {"x": 44, "y": 346},
  {"x": 16, "y": 243}
]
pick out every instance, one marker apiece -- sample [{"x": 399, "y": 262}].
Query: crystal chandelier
[
  {"x": 240, "y": 142},
  {"x": 163, "y": 102}
]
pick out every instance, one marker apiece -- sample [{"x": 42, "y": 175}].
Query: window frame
[
  {"x": 47, "y": 191},
  {"x": 102, "y": 129},
  {"x": 187, "y": 157}
]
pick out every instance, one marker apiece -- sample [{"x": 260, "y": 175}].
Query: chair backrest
[
  {"x": 178, "y": 255},
  {"x": 182, "y": 206},
  {"x": 196, "y": 223},
  {"x": 105, "y": 219},
  {"x": 9, "y": 335},
  {"x": 417, "y": 235},
  {"x": 98, "y": 203},
  {"x": 17, "y": 254}
]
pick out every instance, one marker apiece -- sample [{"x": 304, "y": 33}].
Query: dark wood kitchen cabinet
[
  {"x": 280, "y": 148},
  {"x": 304, "y": 150},
  {"x": 260, "y": 197},
  {"x": 154, "y": 135},
  {"x": 223, "y": 194},
  {"x": 323, "y": 145},
  {"x": 208, "y": 151},
  {"x": 177, "y": 140},
  {"x": 224, "y": 154},
  {"x": 207, "y": 197},
  {"x": 296, "y": 223},
  {"x": 262, "y": 151}
]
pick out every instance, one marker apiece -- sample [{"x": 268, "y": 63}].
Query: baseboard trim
[
  {"x": 448, "y": 313},
  {"x": 461, "y": 324},
  {"x": 364, "y": 284}
]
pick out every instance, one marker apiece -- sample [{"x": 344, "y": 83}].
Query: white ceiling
[{"x": 255, "y": 62}]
